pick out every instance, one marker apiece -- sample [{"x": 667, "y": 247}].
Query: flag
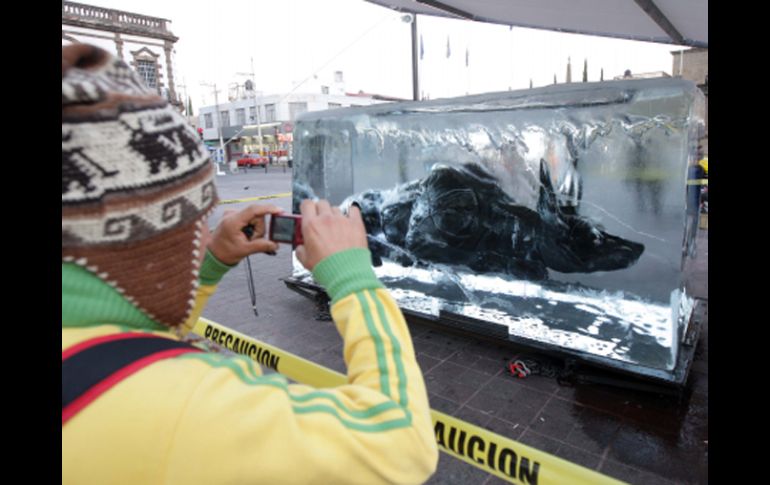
[
  {"x": 422, "y": 49},
  {"x": 448, "y": 50}
]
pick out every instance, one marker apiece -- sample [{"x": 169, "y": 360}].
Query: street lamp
[
  {"x": 219, "y": 126},
  {"x": 256, "y": 105}
]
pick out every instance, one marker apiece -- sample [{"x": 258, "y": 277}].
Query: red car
[{"x": 252, "y": 160}]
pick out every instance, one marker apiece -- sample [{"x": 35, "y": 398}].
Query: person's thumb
[{"x": 262, "y": 246}]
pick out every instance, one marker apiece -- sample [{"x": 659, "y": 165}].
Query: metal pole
[
  {"x": 219, "y": 125},
  {"x": 256, "y": 106},
  {"x": 415, "y": 72},
  {"x": 219, "y": 122}
]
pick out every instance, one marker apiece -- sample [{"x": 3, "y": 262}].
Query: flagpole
[{"x": 415, "y": 65}]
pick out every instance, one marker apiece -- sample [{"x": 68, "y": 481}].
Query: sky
[{"x": 291, "y": 41}]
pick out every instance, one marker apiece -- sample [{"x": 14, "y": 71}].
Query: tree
[{"x": 189, "y": 107}]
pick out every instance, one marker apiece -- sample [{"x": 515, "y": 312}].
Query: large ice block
[{"x": 558, "y": 214}]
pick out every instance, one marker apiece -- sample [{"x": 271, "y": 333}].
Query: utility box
[{"x": 553, "y": 217}]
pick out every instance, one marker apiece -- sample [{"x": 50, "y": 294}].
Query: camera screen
[{"x": 283, "y": 229}]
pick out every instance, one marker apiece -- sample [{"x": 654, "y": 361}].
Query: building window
[
  {"x": 269, "y": 112},
  {"x": 240, "y": 116},
  {"x": 324, "y": 89},
  {"x": 253, "y": 114},
  {"x": 225, "y": 117},
  {"x": 208, "y": 121},
  {"x": 296, "y": 109},
  {"x": 148, "y": 71},
  {"x": 334, "y": 105}
]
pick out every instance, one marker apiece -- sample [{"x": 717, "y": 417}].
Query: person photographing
[{"x": 139, "y": 405}]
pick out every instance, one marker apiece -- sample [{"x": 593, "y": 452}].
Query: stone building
[{"x": 144, "y": 42}]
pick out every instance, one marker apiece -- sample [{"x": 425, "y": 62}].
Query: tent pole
[{"x": 415, "y": 74}]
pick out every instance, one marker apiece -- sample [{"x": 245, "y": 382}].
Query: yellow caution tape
[
  {"x": 252, "y": 199},
  {"x": 503, "y": 457},
  {"x": 698, "y": 182}
]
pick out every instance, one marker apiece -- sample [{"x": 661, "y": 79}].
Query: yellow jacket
[{"x": 205, "y": 418}]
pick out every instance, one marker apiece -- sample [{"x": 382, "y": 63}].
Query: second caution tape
[
  {"x": 252, "y": 199},
  {"x": 491, "y": 452}
]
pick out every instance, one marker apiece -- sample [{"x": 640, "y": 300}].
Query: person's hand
[
  {"x": 229, "y": 244},
  {"x": 325, "y": 231}
]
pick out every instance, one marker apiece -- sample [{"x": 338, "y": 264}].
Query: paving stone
[
  {"x": 650, "y": 451},
  {"x": 453, "y": 471},
  {"x": 509, "y": 400},
  {"x": 634, "y": 476},
  {"x": 454, "y": 382},
  {"x": 578, "y": 456}
]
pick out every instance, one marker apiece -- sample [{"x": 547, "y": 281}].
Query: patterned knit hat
[{"x": 137, "y": 184}]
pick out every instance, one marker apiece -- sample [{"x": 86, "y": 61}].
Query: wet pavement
[{"x": 640, "y": 437}]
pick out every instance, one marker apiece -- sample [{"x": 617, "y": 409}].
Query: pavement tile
[
  {"x": 453, "y": 471},
  {"x": 539, "y": 441},
  {"x": 579, "y": 456},
  {"x": 653, "y": 410},
  {"x": 647, "y": 450},
  {"x": 540, "y": 383},
  {"x": 634, "y": 476},
  {"x": 504, "y": 428},
  {"x": 454, "y": 382},
  {"x": 554, "y": 422},
  {"x": 593, "y": 431},
  {"x": 602, "y": 398},
  {"x": 476, "y": 361},
  {"x": 426, "y": 362},
  {"x": 473, "y": 416},
  {"x": 448, "y": 342},
  {"x": 443, "y": 404},
  {"x": 437, "y": 351},
  {"x": 509, "y": 400}
]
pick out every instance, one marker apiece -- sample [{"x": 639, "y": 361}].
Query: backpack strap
[{"x": 93, "y": 366}]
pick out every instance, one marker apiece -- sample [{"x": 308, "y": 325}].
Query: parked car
[{"x": 252, "y": 160}]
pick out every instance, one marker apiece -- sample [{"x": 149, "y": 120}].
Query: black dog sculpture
[{"x": 460, "y": 216}]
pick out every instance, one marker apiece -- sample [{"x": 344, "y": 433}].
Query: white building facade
[
  {"x": 273, "y": 109},
  {"x": 237, "y": 123}
]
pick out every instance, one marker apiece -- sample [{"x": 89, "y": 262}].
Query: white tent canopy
[{"x": 683, "y": 22}]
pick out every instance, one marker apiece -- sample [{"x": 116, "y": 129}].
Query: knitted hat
[{"x": 137, "y": 185}]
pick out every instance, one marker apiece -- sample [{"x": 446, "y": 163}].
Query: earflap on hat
[{"x": 137, "y": 184}]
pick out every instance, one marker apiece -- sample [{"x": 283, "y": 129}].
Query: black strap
[{"x": 85, "y": 369}]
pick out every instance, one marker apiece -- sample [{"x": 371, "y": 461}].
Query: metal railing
[{"x": 88, "y": 14}]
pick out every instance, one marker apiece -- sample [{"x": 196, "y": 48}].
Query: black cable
[{"x": 252, "y": 288}]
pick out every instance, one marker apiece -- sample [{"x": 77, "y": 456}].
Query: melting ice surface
[{"x": 608, "y": 159}]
